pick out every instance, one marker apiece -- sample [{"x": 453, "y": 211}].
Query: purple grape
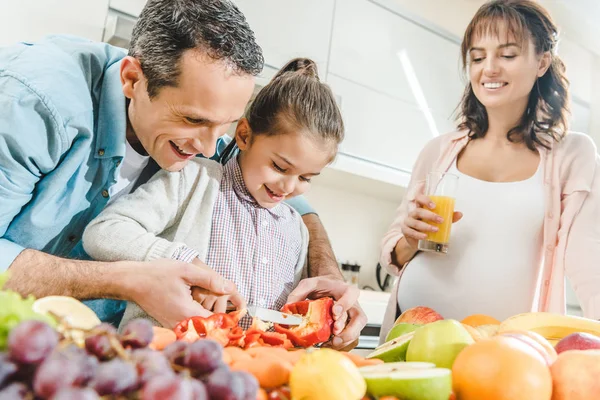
[
  {"x": 137, "y": 333},
  {"x": 226, "y": 385},
  {"x": 250, "y": 384},
  {"x": 114, "y": 377},
  {"x": 63, "y": 369},
  {"x": 203, "y": 356},
  {"x": 199, "y": 390},
  {"x": 7, "y": 369},
  {"x": 31, "y": 342},
  {"x": 150, "y": 363},
  {"x": 14, "y": 391},
  {"x": 168, "y": 388},
  {"x": 176, "y": 352},
  {"x": 99, "y": 344},
  {"x": 75, "y": 394}
]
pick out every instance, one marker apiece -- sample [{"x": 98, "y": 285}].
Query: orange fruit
[
  {"x": 480, "y": 319},
  {"x": 537, "y": 341},
  {"x": 501, "y": 368}
]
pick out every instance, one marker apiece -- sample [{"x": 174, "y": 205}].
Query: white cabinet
[
  {"x": 30, "y": 20},
  {"x": 286, "y": 29},
  {"x": 387, "y": 53}
]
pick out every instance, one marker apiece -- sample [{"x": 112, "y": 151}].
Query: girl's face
[
  {"x": 503, "y": 69},
  {"x": 279, "y": 167}
]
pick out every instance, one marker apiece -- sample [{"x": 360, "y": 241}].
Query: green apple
[
  {"x": 394, "y": 350},
  {"x": 439, "y": 343},
  {"x": 400, "y": 329},
  {"x": 408, "y": 383}
]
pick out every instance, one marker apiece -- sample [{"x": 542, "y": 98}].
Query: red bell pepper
[
  {"x": 257, "y": 335},
  {"x": 218, "y": 327},
  {"x": 317, "y": 325}
]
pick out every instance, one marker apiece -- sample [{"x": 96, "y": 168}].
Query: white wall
[
  {"x": 355, "y": 220},
  {"x": 29, "y": 20}
]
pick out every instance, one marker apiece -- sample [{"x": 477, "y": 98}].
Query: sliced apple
[
  {"x": 409, "y": 383},
  {"x": 73, "y": 312},
  {"x": 401, "y": 329},
  {"x": 394, "y": 350}
]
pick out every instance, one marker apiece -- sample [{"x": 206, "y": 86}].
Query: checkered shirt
[{"x": 255, "y": 247}]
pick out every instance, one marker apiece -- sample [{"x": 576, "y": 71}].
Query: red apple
[
  {"x": 578, "y": 341},
  {"x": 419, "y": 315}
]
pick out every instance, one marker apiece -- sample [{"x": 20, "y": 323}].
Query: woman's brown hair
[
  {"x": 295, "y": 99},
  {"x": 545, "y": 119}
]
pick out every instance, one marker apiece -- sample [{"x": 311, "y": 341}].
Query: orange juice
[{"x": 444, "y": 207}]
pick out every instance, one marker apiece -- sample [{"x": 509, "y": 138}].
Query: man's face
[{"x": 184, "y": 121}]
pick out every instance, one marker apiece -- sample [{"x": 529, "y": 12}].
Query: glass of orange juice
[{"x": 441, "y": 189}]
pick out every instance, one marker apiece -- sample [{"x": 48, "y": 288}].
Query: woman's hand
[{"x": 415, "y": 226}]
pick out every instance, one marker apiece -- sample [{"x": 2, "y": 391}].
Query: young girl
[
  {"x": 232, "y": 216},
  {"x": 528, "y": 191}
]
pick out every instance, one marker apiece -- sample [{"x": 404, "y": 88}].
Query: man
[{"x": 80, "y": 122}]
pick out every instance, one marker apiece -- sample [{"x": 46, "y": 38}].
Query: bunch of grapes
[{"x": 38, "y": 364}]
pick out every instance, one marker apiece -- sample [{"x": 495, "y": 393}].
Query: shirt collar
[
  {"x": 233, "y": 172},
  {"x": 112, "y": 116}
]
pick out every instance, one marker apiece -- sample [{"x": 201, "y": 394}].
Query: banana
[{"x": 551, "y": 326}]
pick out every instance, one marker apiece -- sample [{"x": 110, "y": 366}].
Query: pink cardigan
[{"x": 571, "y": 224}]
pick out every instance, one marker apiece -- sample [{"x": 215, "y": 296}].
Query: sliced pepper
[
  {"x": 317, "y": 324},
  {"x": 217, "y": 327},
  {"x": 257, "y": 335}
]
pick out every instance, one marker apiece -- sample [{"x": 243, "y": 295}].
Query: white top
[
  {"x": 131, "y": 168},
  {"x": 493, "y": 252}
]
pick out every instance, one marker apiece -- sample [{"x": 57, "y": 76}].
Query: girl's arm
[{"x": 129, "y": 228}]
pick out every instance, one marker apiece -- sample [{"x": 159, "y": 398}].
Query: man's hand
[
  {"x": 163, "y": 289},
  {"x": 349, "y": 317}
]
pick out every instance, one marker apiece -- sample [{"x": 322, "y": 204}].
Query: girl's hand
[
  {"x": 217, "y": 303},
  {"x": 415, "y": 226}
]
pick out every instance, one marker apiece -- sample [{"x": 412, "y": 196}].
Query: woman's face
[{"x": 503, "y": 70}]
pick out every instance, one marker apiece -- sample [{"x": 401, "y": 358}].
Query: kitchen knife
[{"x": 264, "y": 314}]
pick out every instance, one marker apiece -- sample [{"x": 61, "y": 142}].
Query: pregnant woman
[{"x": 527, "y": 202}]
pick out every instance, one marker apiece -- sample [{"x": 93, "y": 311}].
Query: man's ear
[
  {"x": 131, "y": 76},
  {"x": 545, "y": 63},
  {"x": 243, "y": 134}
]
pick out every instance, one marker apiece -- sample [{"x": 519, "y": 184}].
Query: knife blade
[{"x": 264, "y": 314}]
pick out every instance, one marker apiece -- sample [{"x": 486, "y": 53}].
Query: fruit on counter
[
  {"x": 487, "y": 331},
  {"x": 37, "y": 364},
  {"x": 394, "y": 350},
  {"x": 16, "y": 309},
  {"x": 575, "y": 375},
  {"x": 476, "y": 320},
  {"x": 418, "y": 315},
  {"x": 70, "y": 310},
  {"x": 439, "y": 343},
  {"x": 474, "y": 332},
  {"x": 400, "y": 329},
  {"x": 326, "y": 374},
  {"x": 501, "y": 368},
  {"x": 410, "y": 381},
  {"x": 551, "y": 326},
  {"x": 536, "y": 341},
  {"x": 317, "y": 324},
  {"x": 578, "y": 341}
]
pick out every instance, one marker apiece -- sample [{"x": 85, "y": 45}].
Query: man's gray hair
[{"x": 167, "y": 28}]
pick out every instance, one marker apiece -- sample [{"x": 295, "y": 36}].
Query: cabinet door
[
  {"x": 379, "y": 128},
  {"x": 286, "y": 29},
  {"x": 30, "y": 20},
  {"x": 388, "y": 53}
]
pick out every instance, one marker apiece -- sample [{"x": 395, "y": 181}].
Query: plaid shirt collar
[{"x": 233, "y": 173}]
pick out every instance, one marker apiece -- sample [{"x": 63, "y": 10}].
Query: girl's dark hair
[
  {"x": 545, "y": 119},
  {"x": 297, "y": 99}
]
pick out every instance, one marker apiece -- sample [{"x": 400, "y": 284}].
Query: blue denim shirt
[{"x": 62, "y": 138}]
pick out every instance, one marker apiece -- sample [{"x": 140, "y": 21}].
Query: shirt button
[
  {"x": 265, "y": 223},
  {"x": 101, "y": 152},
  {"x": 72, "y": 238},
  {"x": 546, "y": 283},
  {"x": 265, "y": 261},
  {"x": 550, "y": 215},
  {"x": 105, "y": 193}
]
